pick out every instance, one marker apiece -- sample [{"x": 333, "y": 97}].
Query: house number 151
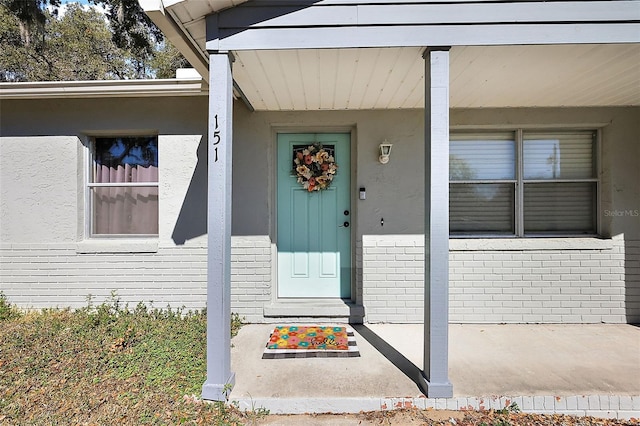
[{"x": 216, "y": 138}]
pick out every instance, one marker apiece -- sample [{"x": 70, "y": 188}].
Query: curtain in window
[{"x": 126, "y": 204}]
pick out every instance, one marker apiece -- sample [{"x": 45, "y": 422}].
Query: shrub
[{"x": 7, "y": 310}]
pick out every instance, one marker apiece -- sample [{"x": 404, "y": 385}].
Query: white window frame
[
  {"x": 520, "y": 181},
  {"x": 89, "y": 185}
]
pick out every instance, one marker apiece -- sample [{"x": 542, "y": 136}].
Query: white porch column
[
  {"x": 436, "y": 307},
  {"x": 220, "y": 379}
]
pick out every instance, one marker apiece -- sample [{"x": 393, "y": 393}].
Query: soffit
[
  {"x": 480, "y": 77},
  {"x": 378, "y": 78}
]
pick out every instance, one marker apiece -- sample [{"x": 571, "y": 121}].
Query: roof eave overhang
[
  {"x": 177, "y": 35},
  {"x": 102, "y": 89}
]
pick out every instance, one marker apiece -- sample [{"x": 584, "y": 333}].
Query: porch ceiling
[
  {"x": 480, "y": 77},
  {"x": 380, "y": 78}
]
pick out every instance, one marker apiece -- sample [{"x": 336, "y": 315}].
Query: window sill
[
  {"x": 118, "y": 245},
  {"x": 486, "y": 244}
]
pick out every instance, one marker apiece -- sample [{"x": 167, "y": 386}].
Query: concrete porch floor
[{"x": 589, "y": 369}]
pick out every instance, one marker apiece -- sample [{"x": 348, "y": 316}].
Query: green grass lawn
[
  {"x": 109, "y": 365},
  {"x": 105, "y": 365}
]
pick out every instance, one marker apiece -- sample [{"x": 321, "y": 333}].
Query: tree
[
  {"x": 132, "y": 30},
  {"x": 167, "y": 60},
  {"x": 37, "y": 44},
  {"x": 76, "y": 46},
  {"x": 31, "y": 15},
  {"x": 81, "y": 44}
]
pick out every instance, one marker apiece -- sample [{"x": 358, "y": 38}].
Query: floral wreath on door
[{"x": 314, "y": 166}]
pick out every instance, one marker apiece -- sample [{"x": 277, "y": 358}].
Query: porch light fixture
[{"x": 385, "y": 150}]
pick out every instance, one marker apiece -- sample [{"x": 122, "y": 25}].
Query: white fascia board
[
  {"x": 157, "y": 12},
  {"x": 454, "y": 12},
  {"x": 167, "y": 3},
  {"x": 103, "y": 89},
  {"x": 352, "y": 23},
  {"x": 415, "y": 35},
  {"x": 151, "y": 4}
]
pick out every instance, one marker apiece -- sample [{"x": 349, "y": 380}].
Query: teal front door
[{"x": 314, "y": 233}]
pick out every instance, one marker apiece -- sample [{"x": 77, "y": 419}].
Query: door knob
[
  {"x": 346, "y": 212},
  {"x": 346, "y": 224}
]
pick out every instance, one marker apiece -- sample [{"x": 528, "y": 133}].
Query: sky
[{"x": 84, "y": 3}]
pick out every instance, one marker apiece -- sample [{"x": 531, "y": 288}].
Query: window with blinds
[
  {"x": 523, "y": 183},
  {"x": 482, "y": 177}
]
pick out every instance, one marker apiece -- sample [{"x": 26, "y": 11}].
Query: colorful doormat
[{"x": 311, "y": 342}]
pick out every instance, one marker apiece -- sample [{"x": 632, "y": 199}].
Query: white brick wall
[
  {"x": 565, "y": 284},
  {"x": 392, "y": 273},
  {"x": 547, "y": 286},
  {"x": 37, "y": 276},
  {"x": 570, "y": 282},
  {"x": 250, "y": 276},
  {"x": 56, "y": 275}
]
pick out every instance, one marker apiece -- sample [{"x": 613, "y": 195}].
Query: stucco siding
[
  {"x": 38, "y": 189},
  {"x": 47, "y": 259}
]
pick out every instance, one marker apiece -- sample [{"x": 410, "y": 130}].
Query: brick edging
[{"x": 605, "y": 406}]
